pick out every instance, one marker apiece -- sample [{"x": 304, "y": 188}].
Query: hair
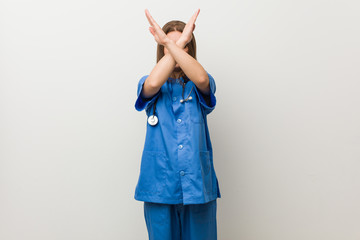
[{"x": 176, "y": 25}]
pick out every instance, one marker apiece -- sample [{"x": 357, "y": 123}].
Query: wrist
[
  {"x": 168, "y": 42},
  {"x": 181, "y": 43}
]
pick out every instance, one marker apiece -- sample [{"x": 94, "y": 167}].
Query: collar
[{"x": 180, "y": 80}]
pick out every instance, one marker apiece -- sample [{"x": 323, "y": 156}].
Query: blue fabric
[
  {"x": 142, "y": 103},
  {"x": 208, "y": 108},
  {"x": 178, "y": 221},
  {"x": 177, "y": 159}
]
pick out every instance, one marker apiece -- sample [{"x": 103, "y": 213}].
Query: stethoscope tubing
[{"x": 153, "y": 119}]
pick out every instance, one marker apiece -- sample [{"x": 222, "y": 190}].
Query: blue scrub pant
[{"x": 181, "y": 222}]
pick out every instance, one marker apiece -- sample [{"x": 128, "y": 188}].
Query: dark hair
[{"x": 176, "y": 25}]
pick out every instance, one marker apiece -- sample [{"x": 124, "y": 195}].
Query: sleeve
[
  {"x": 207, "y": 101},
  {"x": 142, "y": 103}
]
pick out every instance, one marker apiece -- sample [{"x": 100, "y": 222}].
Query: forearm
[
  {"x": 160, "y": 73},
  {"x": 191, "y": 67}
]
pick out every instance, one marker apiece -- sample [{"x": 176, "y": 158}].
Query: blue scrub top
[{"x": 177, "y": 159}]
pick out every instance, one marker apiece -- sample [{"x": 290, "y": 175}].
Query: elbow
[
  {"x": 150, "y": 88},
  {"x": 151, "y": 85},
  {"x": 205, "y": 89},
  {"x": 204, "y": 82}
]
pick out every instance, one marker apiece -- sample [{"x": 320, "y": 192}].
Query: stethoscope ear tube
[{"x": 186, "y": 99}]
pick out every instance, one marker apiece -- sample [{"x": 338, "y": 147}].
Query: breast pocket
[
  {"x": 152, "y": 172},
  {"x": 196, "y": 113}
]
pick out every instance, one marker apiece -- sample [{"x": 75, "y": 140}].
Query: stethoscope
[{"x": 153, "y": 119}]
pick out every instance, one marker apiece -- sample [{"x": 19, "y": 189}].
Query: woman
[{"x": 177, "y": 179}]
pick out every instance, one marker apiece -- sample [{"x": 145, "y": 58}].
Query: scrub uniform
[{"x": 177, "y": 180}]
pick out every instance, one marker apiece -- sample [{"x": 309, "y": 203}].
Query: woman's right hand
[
  {"x": 159, "y": 35},
  {"x": 186, "y": 35}
]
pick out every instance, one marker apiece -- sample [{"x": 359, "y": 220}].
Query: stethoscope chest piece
[{"x": 153, "y": 120}]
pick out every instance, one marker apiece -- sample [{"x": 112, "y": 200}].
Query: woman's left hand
[
  {"x": 186, "y": 35},
  {"x": 159, "y": 35}
]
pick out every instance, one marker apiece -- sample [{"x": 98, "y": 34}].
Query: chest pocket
[{"x": 195, "y": 110}]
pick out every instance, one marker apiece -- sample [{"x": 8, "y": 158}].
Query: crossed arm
[{"x": 176, "y": 54}]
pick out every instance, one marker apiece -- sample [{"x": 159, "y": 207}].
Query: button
[
  {"x": 181, "y": 146},
  {"x": 174, "y": 99},
  {"x": 177, "y": 81},
  {"x": 179, "y": 120},
  {"x": 182, "y": 173}
]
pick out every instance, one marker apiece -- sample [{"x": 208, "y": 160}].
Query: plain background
[{"x": 285, "y": 131}]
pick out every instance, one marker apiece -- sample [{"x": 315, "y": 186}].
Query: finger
[
  {"x": 148, "y": 16},
  {"x": 197, "y": 13},
  {"x": 194, "y": 16},
  {"x": 152, "y": 31},
  {"x": 151, "y": 19},
  {"x": 190, "y": 25}
]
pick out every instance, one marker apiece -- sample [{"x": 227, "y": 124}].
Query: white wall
[{"x": 285, "y": 132}]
